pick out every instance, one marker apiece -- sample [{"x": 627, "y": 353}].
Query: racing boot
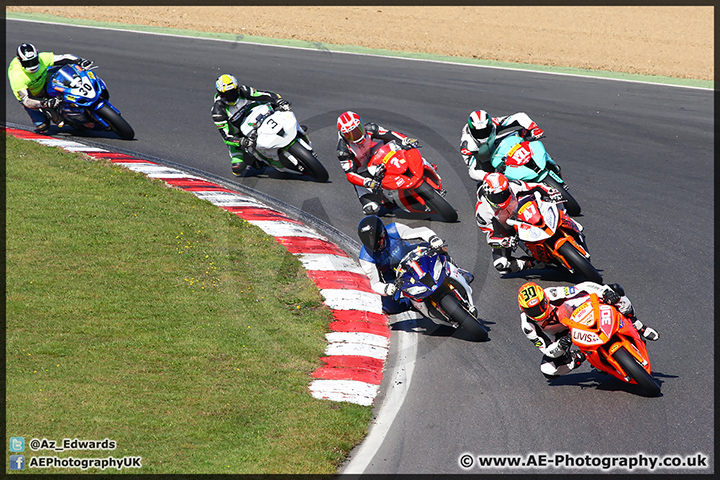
[
  {"x": 576, "y": 359},
  {"x": 646, "y": 333}
]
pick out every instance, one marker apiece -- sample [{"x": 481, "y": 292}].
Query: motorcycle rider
[
  {"x": 356, "y": 144},
  {"x": 28, "y": 77},
  {"x": 497, "y": 200},
  {"x": 231, "y": 104},
  {"x": 383, "y": 248},
  {"x": 482, "y": 134},
  {"x": 539, "y": 320}
]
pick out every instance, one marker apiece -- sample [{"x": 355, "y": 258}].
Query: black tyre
[
  {"x": 309, "y": 161},
  {"x": 579, "y": 263},
  {"x": 437, "y": 203},
  {"x": 451, "y": 306},
  {"x": 116, "y": 122},
  {"x": 571, "y": 205},
  {"x": 637, "y": 372}
]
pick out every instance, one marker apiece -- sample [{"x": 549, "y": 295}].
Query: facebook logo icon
[
  {"x": 17, "y": 462},
  {"x": 17, "y": 444}
]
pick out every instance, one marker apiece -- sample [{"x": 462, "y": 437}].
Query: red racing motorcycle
[{"x": 409, "y": 182}]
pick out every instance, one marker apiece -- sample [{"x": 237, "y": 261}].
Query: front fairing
[
  {"x": 77, "y": 86},
  {"x": 530, "y": 169},
  {"x": 423, "y": 276},
  {"x": 536, "y": 221},
  {"x": 275, "y": 129}
]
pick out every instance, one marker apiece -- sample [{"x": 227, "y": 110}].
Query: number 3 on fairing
[
  {"x": 272, "y": 122},
  {"x": 528, "y": 292}
]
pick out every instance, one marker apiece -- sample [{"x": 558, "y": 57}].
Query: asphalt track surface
[{"x": 638, "y": 157}]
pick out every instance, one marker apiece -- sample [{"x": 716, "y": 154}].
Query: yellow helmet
[
  {"x": 532, "y": 301},
  {"x": 227, "y": 87}
]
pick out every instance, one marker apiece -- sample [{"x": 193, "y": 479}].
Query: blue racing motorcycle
[
  {"x": 527, "y": 160},
  {"x": 436, "y": 288},
  {"x": 85, "y": 101}
]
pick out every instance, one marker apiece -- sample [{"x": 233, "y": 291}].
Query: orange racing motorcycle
[
  {"x": 549, "y": 235},
  {"x": 610, "y": 342}
]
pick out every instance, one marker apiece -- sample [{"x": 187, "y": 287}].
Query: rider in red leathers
[
  {"x": 497, "y": 200},
  {"x": 356, "y": 144},
  {"x": 539, "y": 320}
]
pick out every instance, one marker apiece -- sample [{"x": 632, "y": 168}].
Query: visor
[
  {"x": 30, "y": 65},
  {"x": 482, "y": 132},
  {"x": 356, "y": 134},
  {"x": 231, "y": 95},
  {"x": 539, "y": 311},
  {"x": 500, "y": 199}
]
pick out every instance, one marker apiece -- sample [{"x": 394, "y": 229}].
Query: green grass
[{"x": 142, "y": 314}]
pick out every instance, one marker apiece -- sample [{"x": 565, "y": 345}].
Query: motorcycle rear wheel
[
  {"x": 116, "y": 122},
  {"x": 579, "y": 263},
  {"x": 572, "y": 207},
  {"x": 637, "y": 372},
  {"x": 437, "y": 203},
  {"x": 309, "y": 161},
  {"x": 452, "y": 308}
]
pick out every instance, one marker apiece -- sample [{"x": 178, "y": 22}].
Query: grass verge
[{"x": 142, "y": 314}]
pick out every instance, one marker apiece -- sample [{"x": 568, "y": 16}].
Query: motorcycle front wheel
[
  {"x": 437, "y": 203},
  {"x": 636, "y": 372},
  {"x": 579, "y": 263},
  {"x": 452, "y": 308},
  {"x": 309, "y": 161},
  {"x": 116, "y": 122},
  {"x": 572, "y": 207}
]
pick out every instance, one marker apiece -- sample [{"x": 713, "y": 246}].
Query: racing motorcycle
[
  {"x": 610, "y": 342},
  {"x": 437, "y": 289},
  {"x": 549, "y": 235},
  {"x": 281, "y": 143},
  {"x": 527, "y": 160},
  {"x": 409, "y": 182},
  {"x": 85, "y": 101}
]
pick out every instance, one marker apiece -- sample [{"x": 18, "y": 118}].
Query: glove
[
  {"x": 610, "y": 296},
  {"x": 536, "y": 133},
  {"x": 53, "y": 102},
  {"x": 565, "y": 342},
  {"x": 409, "y": 142},
  {"x": 390, "y": 289},
  {"x": 247, "y": 143},
  {"x": 436, "y": 242},
  {"x": 87, "y": 64},
  {"x": 371, "y": 183},
  {"x": 508, "y": 242},
  {"x": 618, "y": 289},
  {"x": 283, "y": 105}
]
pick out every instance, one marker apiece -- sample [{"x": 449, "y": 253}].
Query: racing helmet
[
  {"x": 481, "y": 126},
  {"x": 496, "y": 190},
  {"x": 28, "y": 56},
  {"x": 533, "y": 302},
  {"x": 372, "y": 233},
  {"x": 351, "y": 127},
  {"x": 227, "y": 88}
]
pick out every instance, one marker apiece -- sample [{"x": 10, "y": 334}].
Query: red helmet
[
  {"x": 351, "y": 127},
  {"x": 496, "y": 190}
]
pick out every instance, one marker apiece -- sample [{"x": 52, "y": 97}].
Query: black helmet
[
  {"x": 372, "y": 233},
  {"x": 28, "y": 56}
]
